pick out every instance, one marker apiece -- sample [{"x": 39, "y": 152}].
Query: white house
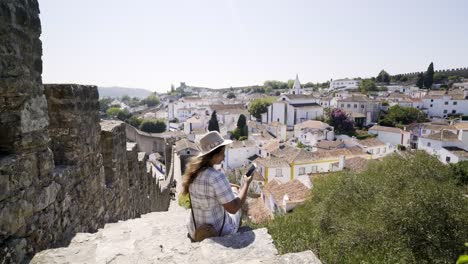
[
  {"x": 228, "y": 114},
  {"x": 452, "y": 154},
  {"x": 238, "y": 153},
  {"x": 392, "y": 135},
  {"x": 344, "y": 84},
  {"x": 281, "y": 197},
  {"x": 376, "y": 148},
  {"x": 360, "y": 104},
  {"x": 434, "y": 143},
  {"x": 277, "y": 129},
  {"x": 195, "y": 122},
  {"x": 312, "y": 131},
  {"x": 425, "y": 129},
  {"x": 291, "y": 109},
  {"x": 442, "y": 103}
]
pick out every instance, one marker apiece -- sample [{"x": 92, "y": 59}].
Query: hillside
[{"x": 119, "y": 91}]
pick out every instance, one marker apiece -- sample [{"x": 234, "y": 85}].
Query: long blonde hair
[{"x": 196, "y": 165}]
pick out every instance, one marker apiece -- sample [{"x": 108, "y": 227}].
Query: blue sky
[{"x": 221, "y": 43}]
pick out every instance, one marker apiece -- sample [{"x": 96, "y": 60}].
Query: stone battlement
[{"x": 60, "y": 173}]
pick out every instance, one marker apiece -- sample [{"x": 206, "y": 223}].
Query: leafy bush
[
  {"x": 135, "y": 121},
  {"x": 259, "y": 106},
  {"x": 404, "y": 209},
  {"x": 113, "y": 112},
  {"x": 153, "y": 126}
]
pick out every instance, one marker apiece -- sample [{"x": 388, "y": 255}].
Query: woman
[{"x": 213, "y": 200}]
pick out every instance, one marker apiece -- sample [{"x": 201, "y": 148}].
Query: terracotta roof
[
  {"x": 276, "y": 124},
  {"x": 371, "y": 142},
  {"x": 386, "y": 129},
  {"x": 242, "y": 144},
  {"x": 454, "y": 94},
  {"x": 356, "y": 98},
  {"x": 195, "y": 119},
  {"x": 461, "y": 125},
  {"x": 444, "y": 135},
  {"x": 336, "y": 153},
  {"x": 312, "y": 124},
  {"x": 356, "y": 164},
  {"x": 257, "y": 210},
  {"x": 457, "y": 151},
  {"x": 184, "y": 144},
  {"x": 272, "y": 162},
  {"x": 255, "y": 125},
  {"x": 328, "y": 144},
  {"x": 199, "y": 131},
  {"x": 300, "y": 96},
  {"x": 295, "y": 190},
  {"x": 287, "y": 153},
  {"x": 227, "y": 107},
  {"x": 271, "y": 145}
]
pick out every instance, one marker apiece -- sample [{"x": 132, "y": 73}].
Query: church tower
[{"x": 296, "y": 89}]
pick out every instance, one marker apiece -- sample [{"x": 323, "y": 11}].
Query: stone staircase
[{"x": 161, "y": 238}]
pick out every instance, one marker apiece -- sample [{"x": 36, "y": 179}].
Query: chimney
[{"x": 341, "y": 163}]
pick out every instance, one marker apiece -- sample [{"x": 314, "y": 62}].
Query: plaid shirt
[{"x": 208, "y": 192}]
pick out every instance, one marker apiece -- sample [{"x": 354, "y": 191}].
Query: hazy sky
[{"x": 221, "y": 43}]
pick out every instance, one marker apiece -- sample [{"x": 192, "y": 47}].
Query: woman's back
[{"x": 208, "y": 192}]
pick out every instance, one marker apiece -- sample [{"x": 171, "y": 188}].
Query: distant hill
[{"x": 119, "y": 91}]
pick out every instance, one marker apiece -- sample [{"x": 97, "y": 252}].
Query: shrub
[
  {"x": 404, "y": 209},
  {"x": 153, "y": 126},
  {"x": 135, "y": 121}
]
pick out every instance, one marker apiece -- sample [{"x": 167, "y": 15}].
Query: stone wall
[{"x": 59, "y": 172}]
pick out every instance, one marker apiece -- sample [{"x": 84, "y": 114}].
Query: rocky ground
[{"x": 161, "y": 238}]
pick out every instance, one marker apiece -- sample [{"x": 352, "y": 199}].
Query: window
[
  {"x": 377, "y": 151},
  {"x": 424, "y": 131},
  {"x": 454, "y": 111},
  {"x": 428, "y": 144},
  {"x": 314, "y": 169},
  {"x": 384, "y": 150},
  {"x": 355, "y": 105},
  {"x": 362, "y": 106},
  {"x": 432, "y": 100},
  {"x": 454, "y": 103},
  {"x": 445, "y": 111},
  {"x": 279, "y": 173},
  {"x": 431, "y": 105},
  {"x": 447, "y": 159},
  {"x": 188, "y": 152},
  {"x": 446, "y": 103},
  {"x": 349, "y": 105},
  {"x": 301, "y": 170},
  {"x": 342, "y": 105}
]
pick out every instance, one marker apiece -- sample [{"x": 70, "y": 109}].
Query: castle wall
[{"x": 60, "y": 172}]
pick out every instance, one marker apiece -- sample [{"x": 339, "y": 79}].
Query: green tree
[
  {"x": 429, "y": 76},
  {"x": 241, "y": 131},
  {"x": 123, "y": 115},
  {"x": 460, "y": 172},
  {"x": 439, "y": 78},
  {"x": 231, "y": 96},
  {"x": 290, "y": 84},
  {"x": 113, "y": 112},
  {"x": 135, "y": 121},
  {"x": 404, "y": 209},
  {"x": 398, "y": 115},
  {"x": 125, "y": 98},
  {"x": 104, "y": 104},
  {"x": 213, "y": 123},
  {"x": 259, "y": 106},
  {"x": 367, "y": 86},
  {"x": 420, "y": 80},
  {"x": 151, "y": 100},
  {"x": 383, "y": 77},
  {"x": 153, "y": 126}
]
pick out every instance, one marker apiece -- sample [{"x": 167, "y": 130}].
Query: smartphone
[{"x": 251, "y": 170}]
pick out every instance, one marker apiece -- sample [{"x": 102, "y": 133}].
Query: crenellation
[{"x": 54, "y": 156}]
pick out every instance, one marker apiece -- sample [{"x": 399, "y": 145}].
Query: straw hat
[{"x": 210, "y": 141}]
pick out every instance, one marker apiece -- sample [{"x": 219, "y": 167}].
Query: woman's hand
[{"x": 248, "y": 179}]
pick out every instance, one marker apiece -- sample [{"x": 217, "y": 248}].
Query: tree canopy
[
  {"x": 241, "y": 131},
  {"x": 151, "y": 100},
  {"x": 341, "y": 121},
  {"x": 367, "y": 86},
  {"x": 231, "y": 95},
  {"x": 153, "y": 126},
  {"x": 399, "y": 115},
  {"x": 383, "y": 77},
  {"x": 404, "y": 209},
  {"x": 429, "y": 76},
  {"x": 213, "y": 123},
  {"x": 420, "y": 80},
  {"x": 259, "y": 106}
]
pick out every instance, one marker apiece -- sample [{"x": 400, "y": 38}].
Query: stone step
[{"x": 161, "y": 238}]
